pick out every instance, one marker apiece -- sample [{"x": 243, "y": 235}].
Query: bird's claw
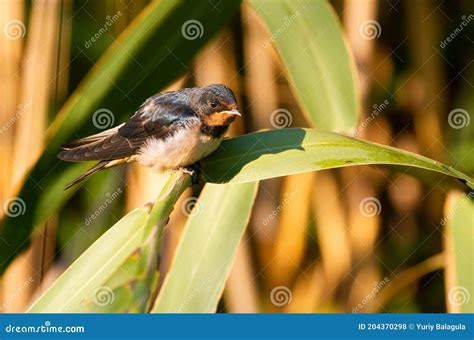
[{"x": 193, "y": 170}]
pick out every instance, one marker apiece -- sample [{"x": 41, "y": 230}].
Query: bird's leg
[{"x": 194, "y": 170}]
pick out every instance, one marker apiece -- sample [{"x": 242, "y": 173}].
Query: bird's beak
[
  {"x": 232, "y": 112},
  {"x": 221, "y": 118}
]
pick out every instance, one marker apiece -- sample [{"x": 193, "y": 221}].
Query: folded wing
[{"x": 158, "y": 117}]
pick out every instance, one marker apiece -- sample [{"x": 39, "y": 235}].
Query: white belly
[{"x": 184, "y": 148}]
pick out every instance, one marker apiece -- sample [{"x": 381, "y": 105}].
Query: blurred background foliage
[{"x": 307, "y": 232}]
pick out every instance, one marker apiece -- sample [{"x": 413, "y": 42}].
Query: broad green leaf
[
  {"x": 207, "y": 249},
  {"x": 117, "y": 272},
  {"x": 274, "y": 153},
  {"x": 459, "y": 245},
  {"x": 154, "y": 50},
  {"x": 130, "y": 286},
  {"x": 84, "y": 280},
  {"x": 310, "y": 42}
]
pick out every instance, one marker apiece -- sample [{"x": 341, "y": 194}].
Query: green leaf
[
  {"x": 459, "y": 244},
  {"x": 84, "y": 280},
  {"x": 310, "y": 42},
  {"x": 275, "y": 153},
  {"x": 149, "y": 54},
  {"x": 117, "y": 272},
  {"x": 207, "y": 249}
]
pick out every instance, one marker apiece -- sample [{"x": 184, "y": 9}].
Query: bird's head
[{"x": 215, "y": 104}]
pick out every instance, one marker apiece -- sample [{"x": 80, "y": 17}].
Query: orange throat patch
[{"x": 219, "y": 118}]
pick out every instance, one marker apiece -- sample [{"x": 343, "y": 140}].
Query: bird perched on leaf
[{"x": 170, "y": 131}]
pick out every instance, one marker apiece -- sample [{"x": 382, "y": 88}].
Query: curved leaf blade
[
  {"x": 275, "y": 153},
  {"x": 78, "y": 283},
  {"x": 117, "y": 272},
  {"x": 310, "y": 42},
  {"x": 207, "y": 249}
]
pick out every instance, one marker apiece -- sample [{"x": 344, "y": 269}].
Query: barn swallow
[{"x": 170, "y": 131}]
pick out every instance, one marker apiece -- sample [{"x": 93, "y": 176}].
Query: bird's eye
[{"x": 213, "y": 105}]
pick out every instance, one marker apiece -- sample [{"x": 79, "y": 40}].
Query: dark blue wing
[{"x": 158, "y": 117}]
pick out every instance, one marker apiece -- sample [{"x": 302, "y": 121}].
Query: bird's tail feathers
[{"x": 99, "y": 166}]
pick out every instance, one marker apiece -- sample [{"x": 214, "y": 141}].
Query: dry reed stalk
[
  {"x": 261, "y": 70},
  {"x": 11, "y": 109},
  {"x": 307, "y": 292},
  {"x": 293, "y": 228},
  {"x": 361, "y": 183},
  {"x": 37, "y": 79},
  {"x": 428, "y": 76},
  {"x": 331, "y": 228}
]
